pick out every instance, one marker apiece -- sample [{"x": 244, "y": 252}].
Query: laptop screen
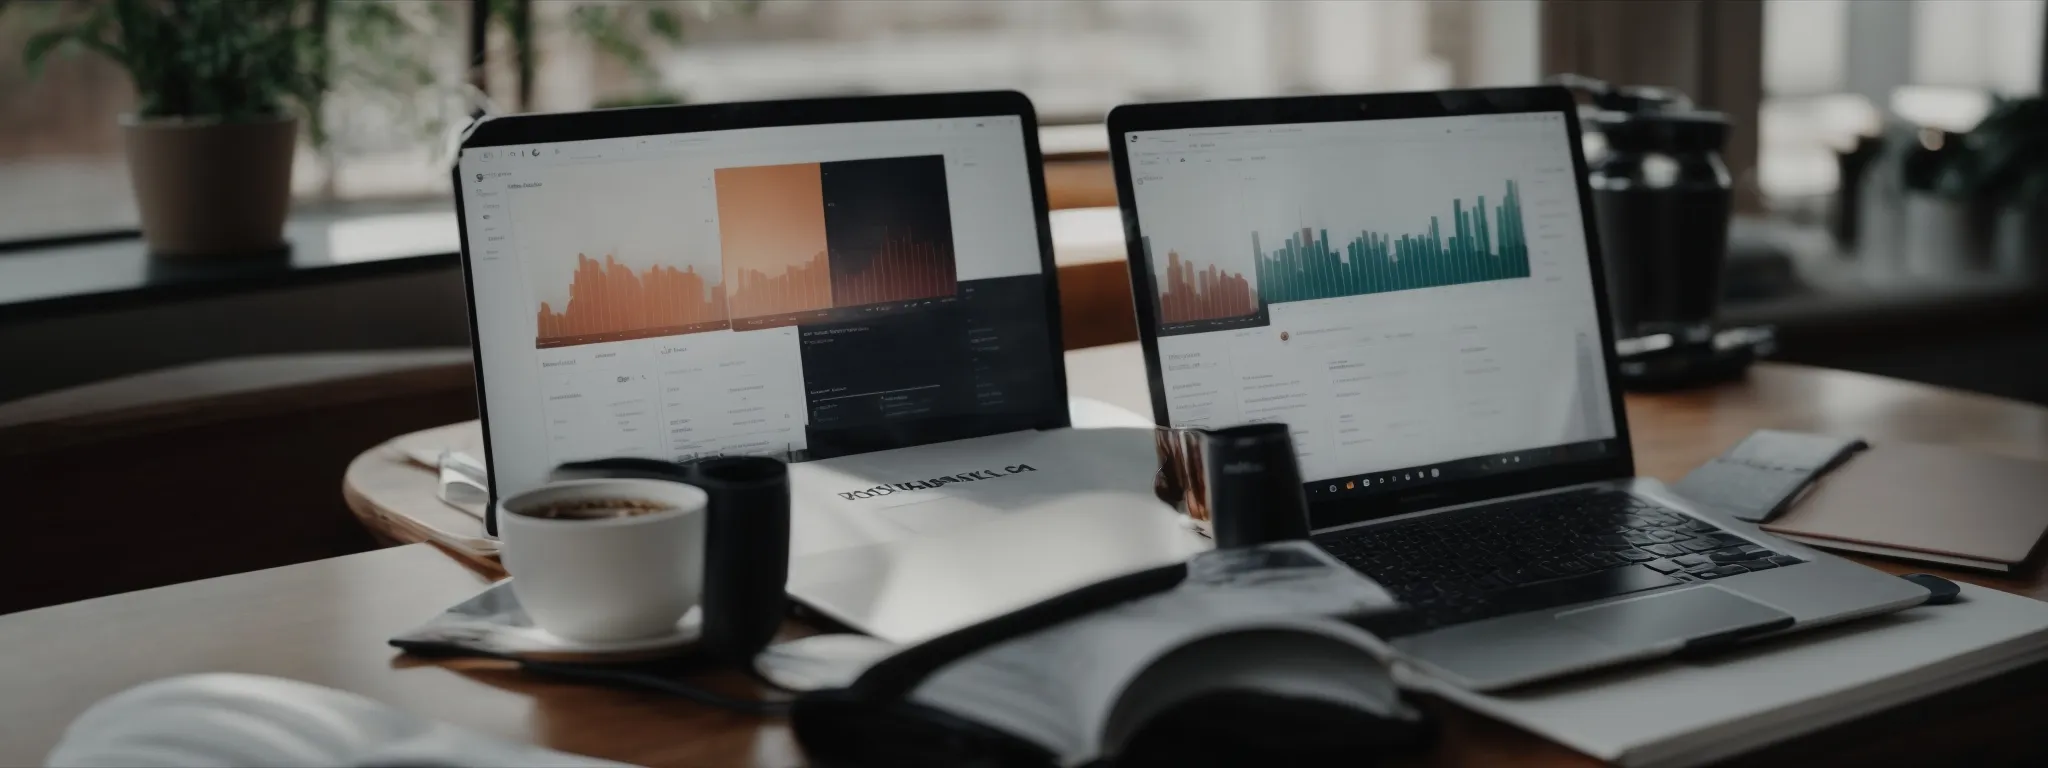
[
  {"x": 800, "y": 291},
  {"x": 1414, "y": 297}
]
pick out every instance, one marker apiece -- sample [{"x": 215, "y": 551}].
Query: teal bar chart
[{"x": 1306, "y": 266}]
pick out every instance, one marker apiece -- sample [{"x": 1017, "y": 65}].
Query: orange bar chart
[
  {"x": 608, "y": 301},
  {"x": 771, "y": 231},
  {"x": 1208, "y": 294},
  {"x": 799, "y": 288}
]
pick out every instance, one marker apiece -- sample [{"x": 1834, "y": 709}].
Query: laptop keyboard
[{"x": 1544, "y": 552}]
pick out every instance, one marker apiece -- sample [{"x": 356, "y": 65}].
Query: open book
[{"x": 1265, "y": 621}]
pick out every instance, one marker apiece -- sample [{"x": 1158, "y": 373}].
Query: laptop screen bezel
[
  {"x": 1325, "y": 513},
  {"x": 658, "y": 121}
]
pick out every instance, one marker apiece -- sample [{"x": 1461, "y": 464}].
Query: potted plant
[
  {"x": 2004, "y": 161},
  {"x": 221, "y": 86},
  {"x": 224, "y": 87},
  {"x": 1947, "y": 220},
  {"x": 2020, "y": 244}
]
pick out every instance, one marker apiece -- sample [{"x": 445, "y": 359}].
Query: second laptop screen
[{"x": 1413, "y": 297}]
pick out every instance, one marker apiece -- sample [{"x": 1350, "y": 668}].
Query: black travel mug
[
  {"x": 1661, "y": 199},
  {"x": 746, "y": 553},
  {"x": 1255, "y": 490}
]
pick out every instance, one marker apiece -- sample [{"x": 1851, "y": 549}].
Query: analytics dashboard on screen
[
  {"x": 793, "y": 291},
  {"x": 1402, "y": 293}
]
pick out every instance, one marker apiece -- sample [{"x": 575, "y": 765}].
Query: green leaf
[
  {"x": 39, "y": 46},
  {"x": 611, "y": 35},
  {"x": 665, "y": 23},
  {"x": 249, "y": 59}
]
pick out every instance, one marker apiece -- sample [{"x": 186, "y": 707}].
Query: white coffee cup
[{"x": 609, "y": 579}]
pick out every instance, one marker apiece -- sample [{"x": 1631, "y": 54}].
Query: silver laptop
[
  {"x": 813, "y": 279},
  {"x": 1412, "y": 283}
]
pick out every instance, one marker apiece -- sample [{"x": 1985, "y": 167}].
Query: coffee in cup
[
  {"x": 594, "y": 509},
  {"x": 605, "y": 560}
]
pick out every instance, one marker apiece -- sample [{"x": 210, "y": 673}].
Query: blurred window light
[
  {"x": 1949, "y": 108},
  {"x": 1078, "y": 58},
  {"x": 397, "y": 94},
  {"x": 1953, "y": 55},
  {"x": 1980, "y": 44},
  {"x": 62, "y": 172},
  {"x": 1797, "y": 139},
  {"x": 392, "y": 236},
  {"x": 1805, "y": 46}
]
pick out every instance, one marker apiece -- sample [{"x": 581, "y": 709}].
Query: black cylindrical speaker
[
  {"x": 746, "y": 553},
  {"x": 1255, "y": 491}
]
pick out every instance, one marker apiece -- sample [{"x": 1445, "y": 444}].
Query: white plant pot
[
  {"x": 1944, "y": 237},
  {"x": 2019, "y": 246}
]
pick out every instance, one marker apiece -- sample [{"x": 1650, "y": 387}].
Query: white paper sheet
[{"x": 889, "y": 496}]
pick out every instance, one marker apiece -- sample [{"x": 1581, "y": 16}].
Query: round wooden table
[{"x": 1673, "y": 432}]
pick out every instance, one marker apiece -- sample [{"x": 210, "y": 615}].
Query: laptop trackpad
[{"x": 1703, "y": 615}]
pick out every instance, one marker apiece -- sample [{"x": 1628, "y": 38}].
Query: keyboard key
[
  {"x": 1699, "y": 545},
  {"x": 1722, "y": 572},
  {"x": 1756, "y": 565},
  {"x": 1784, "y": 560},
  {"x": 1568, "y": 566},
  {"x": 1663, "y": 566},
  {"x": 1523, "y": 574},
  {"x": 1636, "y": 555},
  {"x": 1662, "y": 535},
  {"x": 1615, "y": 542},
  {"x": 1667, "y": 550},
  {"x": 1729, "y": 555},
  {"x": 1639, "y": 538},
  {"x": 1691, "y": 560},
  {"x": 1753, "y": 549},
  {"x": 1603, "y": 559}
]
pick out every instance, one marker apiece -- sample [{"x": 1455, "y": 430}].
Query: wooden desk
[{"x": 325, "y": 622}]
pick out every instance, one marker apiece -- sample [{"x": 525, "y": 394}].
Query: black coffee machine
[{"x": 1662, "y": 198}]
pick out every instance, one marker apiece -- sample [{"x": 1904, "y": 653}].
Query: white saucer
[
  {"x": 492, "y": 623},
  {"x": 537, "y": 640}
]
